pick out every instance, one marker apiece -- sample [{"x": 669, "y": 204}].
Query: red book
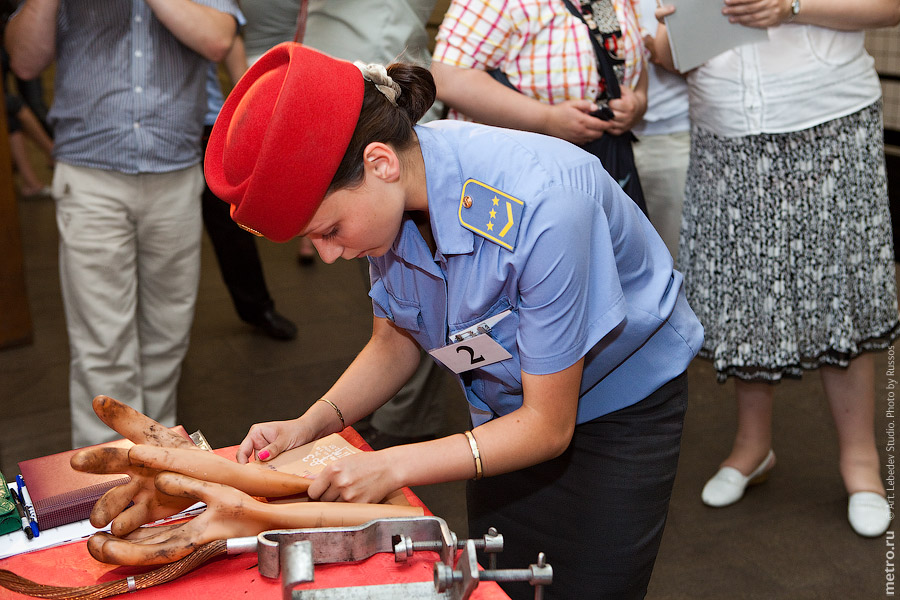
[{"x": 62, "y": 495}]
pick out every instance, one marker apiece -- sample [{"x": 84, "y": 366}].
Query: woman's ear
[{"x": 382, "y": 162}]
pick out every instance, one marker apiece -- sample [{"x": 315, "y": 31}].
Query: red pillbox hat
[{"x": 280, "y": 137}]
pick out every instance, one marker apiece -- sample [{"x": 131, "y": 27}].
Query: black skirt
[{"x": 598, "y": 510}]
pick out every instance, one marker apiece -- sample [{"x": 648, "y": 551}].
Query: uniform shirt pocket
[{"x": 406, "y": 314}]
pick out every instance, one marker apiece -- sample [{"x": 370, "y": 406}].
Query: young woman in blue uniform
[{"x": 520, "y": 265}]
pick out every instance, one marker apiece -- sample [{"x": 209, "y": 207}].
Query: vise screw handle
[{"x": 538, "y": 575}]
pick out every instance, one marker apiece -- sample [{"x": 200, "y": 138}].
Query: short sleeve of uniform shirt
[{"x": 570, "y": 293}]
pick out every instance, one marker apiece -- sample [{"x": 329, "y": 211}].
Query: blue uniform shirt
[{"x": 587, "y": 275}]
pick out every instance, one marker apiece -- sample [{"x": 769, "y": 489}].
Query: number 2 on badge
[
  {"x": 471, "y": 353},
  {"x": 472, "y": 358}
]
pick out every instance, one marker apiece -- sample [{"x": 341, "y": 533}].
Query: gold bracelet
[
  {"x": 336, "y": 409},
  {"x": 479, "y": 470}
]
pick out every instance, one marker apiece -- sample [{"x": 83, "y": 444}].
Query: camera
[{"x": 604, "y": 112}]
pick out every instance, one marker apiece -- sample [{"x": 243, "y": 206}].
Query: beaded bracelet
[
  {"x": 336, "y": 409},
  {"x": 473, "y": 444}
]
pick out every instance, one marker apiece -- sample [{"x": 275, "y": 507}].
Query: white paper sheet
[{"x": 18, "y": 543}]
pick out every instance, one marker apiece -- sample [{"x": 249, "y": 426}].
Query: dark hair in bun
[{"x": 381, "y": 121}]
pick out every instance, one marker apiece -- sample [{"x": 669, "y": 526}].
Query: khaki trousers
[
  {"x": 129, "y": 264},
  {"x": 662, "y": 162}
]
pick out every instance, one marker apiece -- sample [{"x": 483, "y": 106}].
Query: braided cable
[{"x": 164, "y": 574}]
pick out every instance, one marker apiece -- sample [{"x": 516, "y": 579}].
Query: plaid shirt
[{"x": 516, "y": 36}]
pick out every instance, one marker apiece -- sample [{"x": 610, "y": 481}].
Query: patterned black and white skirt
[{"x": 786, "y": 247}]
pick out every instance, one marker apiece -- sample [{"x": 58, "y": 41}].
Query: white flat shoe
[
  {"x": 728, "y": 485},
  {"x": 868, "y": 513}
]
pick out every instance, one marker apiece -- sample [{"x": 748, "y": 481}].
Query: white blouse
[{"x": 803, "y": 76}]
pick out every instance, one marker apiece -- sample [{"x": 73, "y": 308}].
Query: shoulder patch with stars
[{"x": 490, "y": 213}]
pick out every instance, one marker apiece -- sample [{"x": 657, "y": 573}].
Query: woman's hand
[
  {"x": 757, "y": 13},
  {"x": 628, "y": 110},
  {"x": 268, "y": 440},
  {"x": 663, "y": 11},
  {"x": 571, "y": 121},
  {"x": 365, "y": 477},
  {"x": 479, "y": 96}
]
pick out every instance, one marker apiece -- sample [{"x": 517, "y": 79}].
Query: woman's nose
[{"x": 328, "y": 252}]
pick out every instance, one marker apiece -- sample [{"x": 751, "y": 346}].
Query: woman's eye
[{"x": 330, "y": 235}]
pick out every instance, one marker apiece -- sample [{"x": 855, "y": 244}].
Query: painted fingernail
[{"x": 264, "y": 455}]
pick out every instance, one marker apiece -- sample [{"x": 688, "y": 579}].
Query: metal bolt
[
  {"x": 491, "y": 543},
  {"x": 538, "y": 575},
  {"x": 445, "y": 577}
]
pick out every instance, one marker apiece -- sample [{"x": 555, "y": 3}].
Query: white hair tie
[{"x": 378, "y": 75}]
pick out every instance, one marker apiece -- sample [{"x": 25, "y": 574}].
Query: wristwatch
[{"x": 795, "y": 10}]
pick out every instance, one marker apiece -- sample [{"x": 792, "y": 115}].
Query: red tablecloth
[{"x": 228, "y": 577}]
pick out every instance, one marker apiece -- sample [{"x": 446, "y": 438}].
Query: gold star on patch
[{"x": 498, "y": 213}]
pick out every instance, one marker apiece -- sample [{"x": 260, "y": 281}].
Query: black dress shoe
[{"x": 275, "y": 325}]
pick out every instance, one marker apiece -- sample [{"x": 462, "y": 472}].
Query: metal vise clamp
[{"x": 294, "y": 552}]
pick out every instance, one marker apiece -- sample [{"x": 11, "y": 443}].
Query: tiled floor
[{"x": 788, "y": 539}]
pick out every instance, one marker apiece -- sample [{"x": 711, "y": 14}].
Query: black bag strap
[{"x": 604, "y": 60}]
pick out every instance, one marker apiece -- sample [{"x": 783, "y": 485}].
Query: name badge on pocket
[{"x": 474, "y": 348}]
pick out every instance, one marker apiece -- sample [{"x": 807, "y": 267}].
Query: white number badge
[{"x": 474, "y": 349}]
